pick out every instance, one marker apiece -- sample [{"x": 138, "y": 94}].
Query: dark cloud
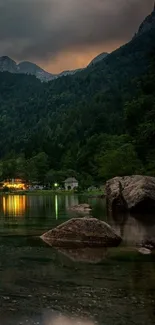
[{"x": 40, "y": 29}]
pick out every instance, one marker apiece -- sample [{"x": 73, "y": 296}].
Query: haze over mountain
[{"x": 97, "y": 123}]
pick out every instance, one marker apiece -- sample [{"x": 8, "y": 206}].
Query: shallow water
[{"x": 41, "y": 285}]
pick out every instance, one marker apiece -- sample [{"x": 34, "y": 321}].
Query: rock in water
[
  {"x": 81, "y": 209},
  {"x": 85, "y": 232},
  {"x": 144, "y": 251},
  {"x": 132, "y": 193}
]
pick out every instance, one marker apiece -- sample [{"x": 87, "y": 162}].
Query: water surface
[{"x": 41, "y": 285}]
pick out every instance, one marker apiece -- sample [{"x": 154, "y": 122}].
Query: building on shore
[
  {"x": 71, "y": 184},
  {"x": 15, "y": 184}
]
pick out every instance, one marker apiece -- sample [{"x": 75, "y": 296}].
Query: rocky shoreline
[{"x": 126, "y": 197}]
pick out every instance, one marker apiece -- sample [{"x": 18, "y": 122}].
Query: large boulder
[
  {"x": 82, "y": 232},
  {"x": 131, "y": 193}
]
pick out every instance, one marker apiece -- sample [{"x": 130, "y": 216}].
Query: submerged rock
[
  {"x": 81, "y": 208},
  {"x": 85, "y": 232},
  {"x": 149, "y": 243},
  {"x": 144, "y": 251},
  {"x": 131, "y": 193}
]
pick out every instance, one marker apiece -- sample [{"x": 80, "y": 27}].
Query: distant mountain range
[
  {"x": 29, "y": 68},
  {"x": 26, "y": 67}
]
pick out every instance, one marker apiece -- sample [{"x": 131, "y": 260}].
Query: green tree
[
  {"x": 9, "y": 168},
  {"x": 41, "y": 165},
  {"x": 122, "y": 161},
  {"x": 21, "y": 167},
  {"x": 31, "y": 172}
]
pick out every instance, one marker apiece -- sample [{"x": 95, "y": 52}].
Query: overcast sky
[{"x": 67, "y": 34}]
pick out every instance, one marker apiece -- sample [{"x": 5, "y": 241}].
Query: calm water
[{"x": 41, "y": 285}]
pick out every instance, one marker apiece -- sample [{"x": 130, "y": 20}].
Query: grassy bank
[
  {"x": 52, "y": 192},
  {"x": 93, "y": 193},
  {"x": 39, "y": 192}
]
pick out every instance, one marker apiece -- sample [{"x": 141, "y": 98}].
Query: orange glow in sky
[{"x": 80, "y": 58}]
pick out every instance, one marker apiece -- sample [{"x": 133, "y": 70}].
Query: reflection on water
[
  {"x": 14, "y": 205},
  {"x": 87, "y": 255},
  {"x": 133, "y": 229},
  {"x": 46, "y": 212},
  {"x": 38, "y": 213},
  {"x": 52, "y": 319},
  {"x": 45, "y": 286},
  {"x": 71, "y": 200},
  {"x": 56, "y": 207}
]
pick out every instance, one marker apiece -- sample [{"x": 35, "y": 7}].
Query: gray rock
[
  {"x": 81, "y": 208},
  {"x": 144, "y": 251},
  {"x": 132, "y": 193},
  {"x": 82, "y": 232}
]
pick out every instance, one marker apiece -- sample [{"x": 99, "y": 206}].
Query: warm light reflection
[
  {"x": 14, "y": 205},
  {"x": 56, "y": 207}
]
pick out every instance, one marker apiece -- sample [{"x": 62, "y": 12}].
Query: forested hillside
[{"x": 96, "y": 124}]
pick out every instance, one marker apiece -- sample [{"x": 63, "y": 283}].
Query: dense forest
[{"x": 94, "y": 125}]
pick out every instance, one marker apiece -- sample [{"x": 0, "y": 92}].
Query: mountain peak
[
  {"x": 7, "y": 64},
  {"x": 148, "y": 23},
  {"x": 6, "y": 58},
  {"x": 98, "y": 58},
  {"x": 29, "y": 67}
]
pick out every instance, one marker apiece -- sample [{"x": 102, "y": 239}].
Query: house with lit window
[{"x": 15, "y": 184}]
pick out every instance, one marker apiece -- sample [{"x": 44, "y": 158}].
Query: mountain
[
  {"x": 26, "y": 67},
  {"x": 147, "y": 24},
  {"x": 7, "y": 64},
  {"x": 93, "y": 124},
  {"x": 29, "y": 68},
  {"x": 98, "y": 58},
  {"x": 33, "y": 69},
  {"x": 68, "y": 73}
]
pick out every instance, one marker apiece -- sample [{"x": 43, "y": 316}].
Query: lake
[{"x": 47, "y": 286}]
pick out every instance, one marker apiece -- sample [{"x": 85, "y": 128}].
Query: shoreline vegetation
[{"x": 97, "y": 193}]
